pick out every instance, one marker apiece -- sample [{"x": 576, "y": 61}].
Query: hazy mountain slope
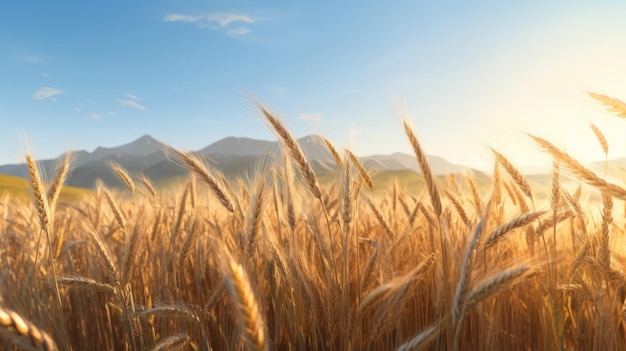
[{"x": 233, "y": 156}]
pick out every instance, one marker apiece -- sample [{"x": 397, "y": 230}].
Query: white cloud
[
  {"x": 30, "y": 59},
  {"x": 131, "y": 95},
  {"x": 215, "y": 21},
  {"x": 181, "y": 18},
  {"x": 95, "y": 116},
  {"x": 77, "y": 109},
  {"x": 239, "y": 31},
  {"x": 225, "y": 19},
  {"x": 44, "y": 74},
  {"x": 131, "y": 103},
  {"x": 46, "y": 93},
  {"x": 312, "y": 117}
]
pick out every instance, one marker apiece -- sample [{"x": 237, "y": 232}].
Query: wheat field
[{"x": 280, "y": 261}]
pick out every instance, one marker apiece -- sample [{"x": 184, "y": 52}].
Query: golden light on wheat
[{"x": 285, "y": 261}]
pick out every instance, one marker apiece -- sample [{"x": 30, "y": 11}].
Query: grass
[{"x": 292, "y": 260}]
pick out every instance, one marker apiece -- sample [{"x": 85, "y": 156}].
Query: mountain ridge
[{"x": 231, "y": 155}]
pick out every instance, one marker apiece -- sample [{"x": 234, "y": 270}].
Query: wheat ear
[
  {"x": 478, "y": 204},
  {"x": 333, "y": 151},
  {"x": 601, "y": 139},
  {"x": 492, "y": 285},
  {"x": 194, "y": 165},
  {"x": 172, "y": 342},
  {"x": 55, "y": 188},
  {"x": 122, "y": 175},
  {"x": 616, "y": 106},
  {"x": 44, "y": 214},
  {"x": 423, "y": 163},
  {"x": 115, "y": 208},
  {"x": 590, "y": 177},
  {"x": 38, "y": 193},
  {"x": 458, "y": 207},
  {"x": 517, "y": 222},
  {"x": 77, "y": 281},
  {"x": 362, "y": 172},
  {"x": 254, "y": 218},
  {"x": 293, "y": 149},
  {"x": 148, "y": 184},
  {"x": 604, "y": 250},
  {"x": 246, "y": 305},
  {"x": 379, "y": 216},
  {"x": 23, "y": 333},
  {"x": 465, "y": 274},
  {"x": 517, "y": 176},
  {"x": 420, "y": 339}
]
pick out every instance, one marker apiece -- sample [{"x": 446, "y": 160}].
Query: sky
[{"x": 474, "y": 75}]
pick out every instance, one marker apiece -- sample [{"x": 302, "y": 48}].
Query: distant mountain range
[{"x": 231, "y": 155}]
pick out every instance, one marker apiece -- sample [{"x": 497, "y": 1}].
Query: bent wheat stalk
[{"x": 589, "y": 176}]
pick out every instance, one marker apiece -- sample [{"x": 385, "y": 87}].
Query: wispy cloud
[
  {"x": 30, "y": 59},
  {"x": 181, "y": 18},
  {"x": 95, "y": 116},
  {"x": 132, "y": 95},
  {"x": 44, "y": 74},
  {"x": 312, "y": 117},
  {"x": 239, "y": 31},
  {"x": 46, "y": 93},
  {"x": 131, "y": 103},
  {"x": 216, "y": 21}
]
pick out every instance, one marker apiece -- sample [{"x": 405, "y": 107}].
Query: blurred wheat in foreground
[{"x": 284, "y": 261}]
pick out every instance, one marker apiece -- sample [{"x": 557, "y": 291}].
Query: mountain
[
  {"x": 86, "y": 166},
  {"x": 232, "y": 155},
  {"x": 400, "y": 161},
  {"x": 240, "y": 147}
]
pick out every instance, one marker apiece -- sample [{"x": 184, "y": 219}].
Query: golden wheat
[{"x": 390, "y": 268}]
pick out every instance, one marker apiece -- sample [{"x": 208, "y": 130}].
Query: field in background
[
  {"x": 17, "y": 188},
  {"x": 290, "y": 261}
]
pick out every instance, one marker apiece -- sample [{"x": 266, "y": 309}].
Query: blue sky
[{"x": 479, "y": 74}]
